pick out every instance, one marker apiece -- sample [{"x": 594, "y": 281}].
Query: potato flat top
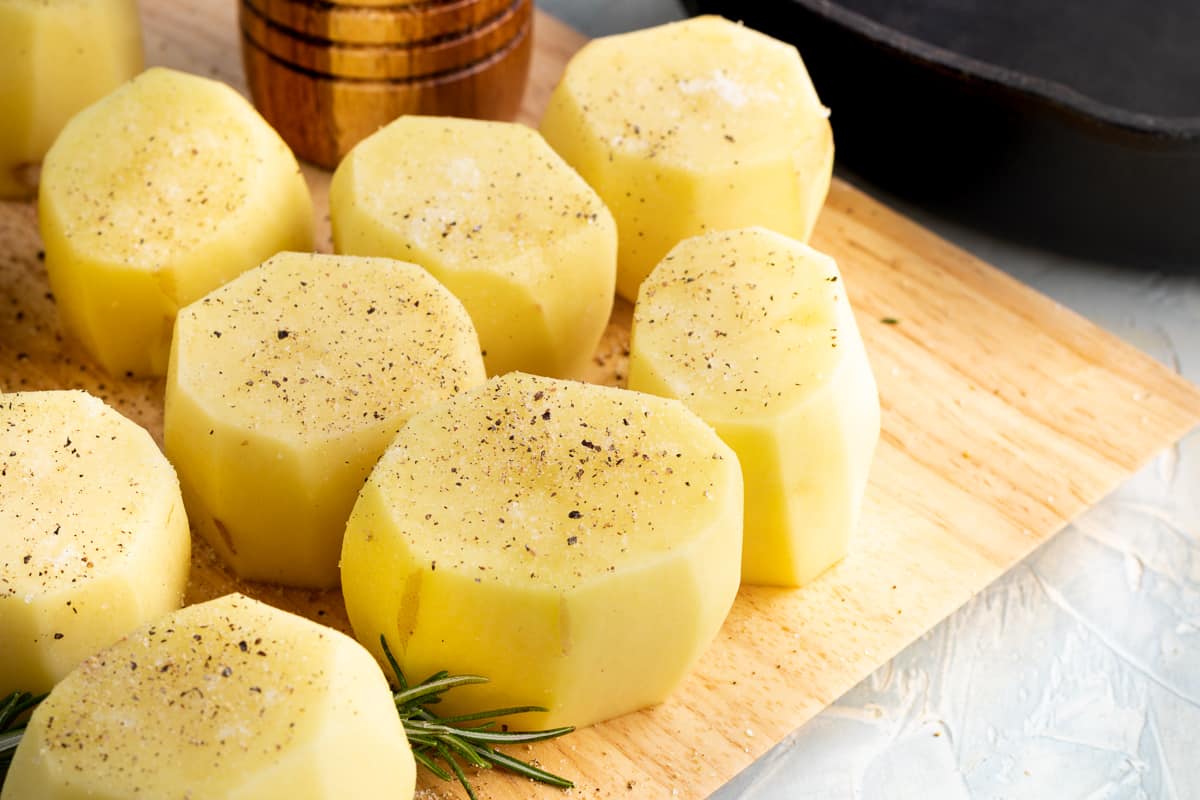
[
  {"x": 538, "y": 482},
  {"x": 77, "y": 483},
  {"x": 704, "y": 94},
  {"x": 180, "y": 156},
  {"x": 743, "y": 324},
  {"x": 468, "y": 195},
  {"x": 232, "y": 683},
  {"x": 308, "y": 346}
]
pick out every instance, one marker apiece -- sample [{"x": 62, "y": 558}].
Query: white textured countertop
[{"x": 1077, "y": 674}]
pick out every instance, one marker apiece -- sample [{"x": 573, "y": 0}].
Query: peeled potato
[
  {"x": 577, "y": 544},
  {"x": 154, "y": 196},
  {"x": 93, "y": 538},
  {"x": 754, "y": 332},
  {"x": 287, "y": 384},
  {"x": 227, "y": 700},
  {"x": 689, "y": 127},
  {"x": 498, "y": 218},
  {"x": 56, "y": 58}
]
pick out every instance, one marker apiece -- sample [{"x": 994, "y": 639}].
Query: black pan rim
[{"x": 1056, "y": 96}]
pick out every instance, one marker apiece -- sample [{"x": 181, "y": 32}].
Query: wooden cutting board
[{"x": 1004, "y": 416}]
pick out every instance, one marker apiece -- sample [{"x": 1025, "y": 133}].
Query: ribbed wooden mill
[{"x": 327, "y": 73}]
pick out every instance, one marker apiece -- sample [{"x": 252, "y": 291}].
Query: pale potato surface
[
  {"x": 754, "y": 332},
  {"x": 55, "y": 59},
  {"x": 692, "y": 126},
  {"x": 498, "y": 217},
  {"x": 93, "y": 537},
  {"x": 227, "y": 700},
  {"x": 152, "y": 197},
  {"x": 286, "y": 385},
  {"x": 577, "y": 544}
]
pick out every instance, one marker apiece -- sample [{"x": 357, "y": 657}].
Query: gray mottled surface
[
  {"x": 602, "y": 17},
  {"x": 1077, "y": 675}
]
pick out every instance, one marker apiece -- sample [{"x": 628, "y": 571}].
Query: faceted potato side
[
  {"x": 93, "y": 537},
  {"x": 226, "y": 700},
  {"x": 287, "y": 384},
  {"x": 754, "y": 332},
  {"x": 577, "y": 544},
  {"x": 56, "y": 58},
  {"x": 692, "y": 126},
  {"x": 154, "y": 196},
  {"x": 495, "y": 215}
]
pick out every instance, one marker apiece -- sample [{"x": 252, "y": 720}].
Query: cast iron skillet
[{"x": 1071, "y": 123}]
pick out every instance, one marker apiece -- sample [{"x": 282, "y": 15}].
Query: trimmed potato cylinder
[
  {"x": 577, "y": 544},
  {"x": 284, "y": 388},
  {"x": 226, "y": 700},
  {"x": 152, "y": 197},
  {"x": 93, "y": 537},
  {"x": 692, "y": 126},
  {"x": 55, "y": 59},
  {"x": 501, "y": 220},
  {"x": 754, "y": 332}
]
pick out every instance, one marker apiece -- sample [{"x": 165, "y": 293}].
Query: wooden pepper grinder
[{"x": 327, "y": 73}]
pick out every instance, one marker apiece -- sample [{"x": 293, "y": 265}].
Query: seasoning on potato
[
  {"x": 286, "y": 385},
  {"x": 226, "y": 699},
  {"x": 689, "y": 127},
  {"x": 55, "y": 59},
  {"x": 495, "y": 215},
  {"x": 754, "y": 332},
  {"x": 93, "y": 537},
  {"x": 154, "y": 196},
  {"x": 577, "y": 544}
]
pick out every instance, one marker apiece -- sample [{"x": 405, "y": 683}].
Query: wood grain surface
[{"x": 1004, "y": 416}]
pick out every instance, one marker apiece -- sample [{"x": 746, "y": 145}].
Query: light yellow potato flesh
[
  {"x": 55, "y": 59},
  {"x": 692, "y": 126},
  {"x": 287, "y": 384},
  {"x": 226, "y": 700},
  {"x": 496, "y": 216},
  {"x": 152, "y": 197},
  {"x": 576, "y": 544},
  {"x": 754, "y": 332},
  {"x": 93, "y": 537}
]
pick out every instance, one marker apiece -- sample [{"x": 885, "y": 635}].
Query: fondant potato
[
  {"x": 495, "y": 215},
  {"x": 692, "y": 126},
  {"x": 577, "y": 544},
  {"x": 286, "y": 385},
  {"x": 93, "y": 537},
  {"x": 55, "y": 59},
  {"x": 754, "y": 332},
  {"x": 154, "y": 196},
  {"x": 226, "y": 700}
]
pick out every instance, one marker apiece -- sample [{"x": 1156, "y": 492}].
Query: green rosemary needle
[
  {"x": 450, "y": 738},
  {"x": 12, "y": 725},
  {"x": 451, "y": 741}
]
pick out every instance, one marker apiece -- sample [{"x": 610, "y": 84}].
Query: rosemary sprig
[
  {"x": 434, "y": 737},
  {"x": 12, "y": 725}
]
